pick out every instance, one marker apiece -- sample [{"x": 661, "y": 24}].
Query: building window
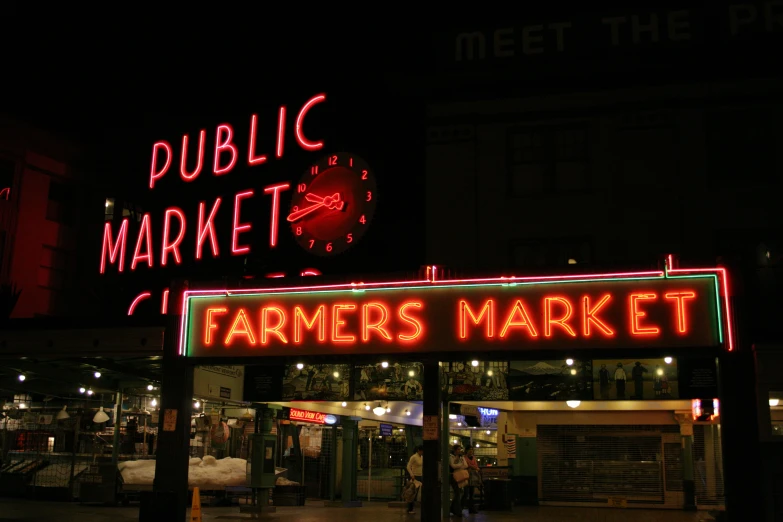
[
  {"x": 109, "y": 210},
  {"x": 62, "y": 203},
  {"x": 548, "y": 160},
  {"x": 542, "y": 254}
]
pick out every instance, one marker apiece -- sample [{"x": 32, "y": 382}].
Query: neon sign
[
  {"x": 120, "y": 250},
  {"x": 310, "y": 416},
  {"x": 488, "y": 412},
  {"x": 643, "y": 309}
]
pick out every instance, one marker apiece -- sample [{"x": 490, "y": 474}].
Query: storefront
[{"x": 596, "y": 389}]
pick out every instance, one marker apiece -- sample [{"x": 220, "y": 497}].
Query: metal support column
[
  {"x": 431, "y": 510},
  {"x": 115, "y": 449},
  {"x": 350, "y": 443}
]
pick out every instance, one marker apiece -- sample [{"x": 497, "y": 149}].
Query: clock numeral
[
  {"x": 312, "y": 242},
  {"x": 369, "y": 196},
  {"x": 363, "y": 220},
  {"x": 328, "y": 247},
  {"x": 301, "y": 187},
  {"x": 349, "y": 238},
  {"x": 332, "y": 160},
  {"x": 314, "y": 170},
  {"x": 298, "y": 231},
  {"x": 364, "y": 174}
]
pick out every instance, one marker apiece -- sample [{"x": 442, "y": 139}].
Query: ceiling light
[
  {"x": 149, "y": 387},
  {"x": 667, "y": 360},
  {"x": 452, "y": 416},
  {"x": 300, "y": 366},
  {"x": 384, "y": 364},
  {"x": 571, "y": 261},
  {"x": 22, "y": 377},
  {"x": 379, "y": 410},
  {"x": 489, "y": 432},
  {"x": 407, "y": 412},
  {"x": 411, "y": 373},
  {"x": 659, "y": 371},
  {"x": 90, "y": 392},
  {"x": 97, "y": 375},
  {"x": 62, "y": 414},
  {"x": 388, "y": 410},
  {"x": 489, "y": 372},
  {"x": 343, "y": 404},
  {"x": 22, "y": 405},
  {"x": 82, "y": 390},
  {"x": 459, "y": 424},
  {"x": 573, "y": 404},
  {"x": 336, "y": 375},
  {"x": 477, "y": 445},
  {"x": 100, "y": 416},
  {"x": 366, "y": 406},
  {"x": 570, "y": 362},
  {"x": 153, "y": 403},
  {"x": 197, "y": 405},
  {"x": 774, "y": 402},
  {"x": 402, "y": 429},
  {"x": 573, "y": 371},
  {"x": 474, "y": 363}
]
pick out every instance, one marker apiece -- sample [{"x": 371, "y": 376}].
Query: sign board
[
  {"x": 307, "y": 416},
  {"x": 169, "y": 420},
  {"x": 219, "y": 382},
  {"x": 605, "y": 313},
  {"x": 430, "y": 425},
  {"x": 468, "y": 410},
  {"x": 488, "y": 412},
  {"x": 386, "y": 430}
]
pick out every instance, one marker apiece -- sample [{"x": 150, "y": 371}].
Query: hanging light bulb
[
  {"x": 300, "y": 366},
  {"x": 149, "y": 387},
  {"x": 489, "y": 432},
  {"x": 154, "y": 403},
  {"x": 474, "y": 363},
  {"x": 407, "y": 412},
  {"x": 570, "y": 362},
  {"x": 62, "y": 414},
  {"x": 379, "y": 410},
  {"x": 97, "y": 375},
  {"x": 366, "y": 406},
  {"x": 344, "y": 404},
  {"x": 90, "y": 392},
  {"x": 384, "y": 364},
  {"x": 22, "y": 377},
  {"x": 82, "y": 389},
  {"x": 197, "y": 405},
  {"x": 388, "y": 409}
]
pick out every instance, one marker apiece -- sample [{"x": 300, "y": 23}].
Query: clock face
[{"x": 333, "y": 204}]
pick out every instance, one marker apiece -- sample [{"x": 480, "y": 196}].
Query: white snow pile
[{"x": 207, "y": 474}]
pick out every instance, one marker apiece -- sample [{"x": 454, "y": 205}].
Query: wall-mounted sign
[
  {"x": 386, "y": 430},
  {"x": 488, "y": 412},
  {"x": 490, "y": 315},
  {"x": 307, "y": 416},
  {"x": 430, "y": 424}
]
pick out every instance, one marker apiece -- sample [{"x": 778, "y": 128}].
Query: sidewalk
[{"x": 22, "y": 511}]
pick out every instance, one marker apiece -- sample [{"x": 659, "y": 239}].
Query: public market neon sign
[{"x": 642, "y": 309}]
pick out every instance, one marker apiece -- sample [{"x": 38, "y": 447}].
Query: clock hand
[
  {"x": 299, "y": 214},
  {"x": 332, "y": 202}
]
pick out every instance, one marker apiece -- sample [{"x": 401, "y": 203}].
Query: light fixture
[
  {"x": 573, "y": 371},
  {"x": 411, "y": 373},
  {"x": 62, "y": 414},
  {"x": 97, "y": 375},
  {"x": 22, "y": 405},
  {"x": 459, "y": 424},
  {"x": 343, "y": 404},
  {"x": 774, "y": 402},
  {"x": 149, "y": 387},
  {"x": 388, "y": 410},
  {"x": 300, "y": 366},
  {"x": 452, "y": 416},
  {"x": 570, "y": 362},
  {"x": 667, "y": 360},
  {"x": 659, "y": 372},
  {"x": 197, "y": 405},
  {"x": 489, "y": 372},
  {"x": 366, "y": 406},
  {"x": 571, "y": 261},
  {"x": 384, "y": 364},
  {"x": 407, "y": 412},
  {"x": 336, "y": 375},
  {"x": 247, "y": 416},
  {"x": 474, "y": 363},
  {"x": 489, "y": 432},
  {"x": 22, "y": 377},
  {"x": 477, "y": 445},
  {"x": 153, "y": 402},
  {"x": 402, "y": 429},
  {"x": 107, "y": 203},
  {"x": 379, "y": 410},
  {"x": 90, "y": 392},
  {"x": 573, "y": 404},
  {"x": 82, "y": 390},
  {"x": 100, "y": 416}
]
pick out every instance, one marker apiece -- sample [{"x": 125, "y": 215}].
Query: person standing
[
  {"x": 459, "y": 478},
  {"x": 474, "y": 481},
  {"x": 637, "y": 374},
  {"x": 619, "y": 380},
  {"x": 415, "y": 468},
  {"x": 603, "y": 380}
]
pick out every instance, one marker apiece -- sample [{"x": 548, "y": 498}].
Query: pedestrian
[
  {"x": 415, "y": 471},
  {"x": 459, "y": 478},
  {"x": 474, "y": 481},
  {"x": 619, "y": 380}
]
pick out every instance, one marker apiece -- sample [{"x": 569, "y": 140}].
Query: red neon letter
[
  {"x": 223, "y": 144},
  {"x": 183, "y": 160},
  {"x": 145, "y": 234},
  {"x": 157, "y": 175},
  {"x": 589, "y": 316},
  {"x": 487, "y": 312},
  {"x": 139, "y": 298},
  {"x": 549, "y": 321},
  {"x": 164, "y": 307},
  {"x": 280, "y": 132},
  {"x": 240, "y": 227},
  {"x": 378, "y": 325},
  {"x": 418, "y": 329},
  {"x": 636, "y": 314},
  {"x": 300, "y": 137},
  {"x": 173, "y": 246},
  {"x": 300, "y": 317},
  {"x": 241, "y": 329},
  {"x": 207, "y": 228},
  {"x": 680, "y": 297},
  {"x": 338, "y": 337},
  {"x": 114, "y": 249},
  {"x": 210, "y": 325},
  {"x": 275, "y": 191},
  {"x": 252, "y": 159},
  {"x": 266, "y": 329},
  {"x": 523, "y": 321}
]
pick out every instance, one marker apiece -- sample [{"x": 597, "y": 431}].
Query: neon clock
[{"x": 333, "y": 204}]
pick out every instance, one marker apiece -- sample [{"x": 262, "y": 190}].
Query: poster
[
  {"x": 316, "y": 382},
  {"x": 263, "y": 383},
  {"x": 635, "y": 379},
  {"x": 397, "y": 381},
  {"x": 697, "y": 377},
  {"x": 461, "y": 381},
  {"x": 430, "y": 424},
  {"x": 551, "y": 380}
]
